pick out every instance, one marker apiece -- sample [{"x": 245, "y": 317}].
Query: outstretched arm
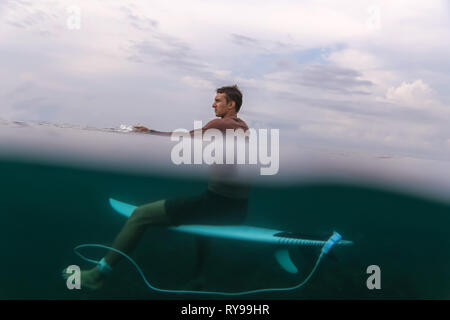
[
  {"x": 160, "y": 133},
  {"x": 147, "y": 130},
  {"x": 213, "y": 124}
]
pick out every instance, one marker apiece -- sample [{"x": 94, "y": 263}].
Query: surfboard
[{"x": 244, "y": 233}]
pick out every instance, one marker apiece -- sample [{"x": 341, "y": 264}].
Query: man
[{"x": 224, "y": 202}]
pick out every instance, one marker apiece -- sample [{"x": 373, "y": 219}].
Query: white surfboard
[{"x": 244, "y": 233}]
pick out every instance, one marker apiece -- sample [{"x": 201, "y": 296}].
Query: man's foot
[{"x": 91, "y": 279}]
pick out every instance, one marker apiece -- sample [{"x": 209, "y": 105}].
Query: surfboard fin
[
  {"x": 284, "y": 259},
  {"x": 123, "y": 208}
]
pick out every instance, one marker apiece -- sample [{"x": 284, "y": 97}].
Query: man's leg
[
  {"x": 126, "y": 241},
  {"x": 199, "y": 280},
  {"x": 203, "y": 246}
]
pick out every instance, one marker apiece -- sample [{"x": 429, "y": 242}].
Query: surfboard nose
[{"x": 123, "y": 208}]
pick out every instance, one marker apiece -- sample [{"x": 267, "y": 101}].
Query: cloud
[
  {"x": 15, "y": 24},
  {"x": 249, "y": 43},
  {"x": 27, "y": 15},
  {"x": 243, "y": 40},
  {"x": 412, "y": 94},
  {"x": 333, "y": 78},
  {"x": 20, "y": 90},
  {"x": 198, "y": 83},
  {"x": 175, "y": 55},
  {"x": 355, "y": 59},
  {"x": 137, "y": 20},
  {"x": 324, "y": 77}
]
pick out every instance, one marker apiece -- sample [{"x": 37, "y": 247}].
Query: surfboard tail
[{"x": 308, "y": 248}]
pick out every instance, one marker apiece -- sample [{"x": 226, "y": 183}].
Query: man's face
[{"x": 221, "y": 106}]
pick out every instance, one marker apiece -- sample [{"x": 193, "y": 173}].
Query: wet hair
[{"x": 232, "y": 93}]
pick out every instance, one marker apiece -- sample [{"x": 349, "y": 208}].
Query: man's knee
[{"x": 153, "y": 213}]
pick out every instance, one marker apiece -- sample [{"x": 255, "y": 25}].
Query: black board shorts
[{"x": 206, "y": 208}]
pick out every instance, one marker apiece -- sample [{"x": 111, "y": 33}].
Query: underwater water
[{"x": 48, "y": 207}]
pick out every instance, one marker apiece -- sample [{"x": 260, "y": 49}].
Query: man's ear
[{"x": 233, "y": 104}]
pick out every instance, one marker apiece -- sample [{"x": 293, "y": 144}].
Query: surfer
[{"x": 224, "y": 202}]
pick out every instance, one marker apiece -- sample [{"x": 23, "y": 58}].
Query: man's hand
[
  {"x": 141, "y": 129},
  {"x": 147, "y": 130}
]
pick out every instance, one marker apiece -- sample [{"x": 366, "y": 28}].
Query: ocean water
[{"x": 56, "y": 181}]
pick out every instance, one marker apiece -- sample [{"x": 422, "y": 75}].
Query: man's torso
[{"x": 224, "y": 179}]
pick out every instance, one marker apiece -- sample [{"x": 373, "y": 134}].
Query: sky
[{"x": 350, "y": 75}]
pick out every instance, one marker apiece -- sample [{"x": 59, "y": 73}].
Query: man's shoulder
[
  {"x": 214, "y": 124},
  {"x": 226, "y": 123},
  {"x": 215, "y": 121},
  {"x": 240, "y": 123}
]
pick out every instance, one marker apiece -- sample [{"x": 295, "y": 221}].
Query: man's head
[{"x": 228, "y": 101}]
